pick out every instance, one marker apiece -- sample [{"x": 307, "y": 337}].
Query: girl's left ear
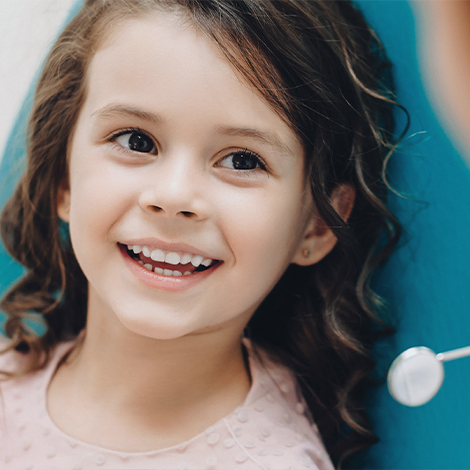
[
  {"x": 318, "y": 239},
  {"x": 63, "y": 201}
]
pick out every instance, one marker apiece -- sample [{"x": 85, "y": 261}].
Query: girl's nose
[{"x": 174, "y": 190}]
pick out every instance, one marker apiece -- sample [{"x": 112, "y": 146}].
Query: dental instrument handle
[{"x": 454, "y": 354}]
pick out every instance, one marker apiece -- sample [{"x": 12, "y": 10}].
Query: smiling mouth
[{"x": 169, "y": 263}]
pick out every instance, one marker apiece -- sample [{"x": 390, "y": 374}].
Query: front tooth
[
  {"x": 196, "y": 260},
  {"x": 172, "y": 258},
  {"x": 186, "y": 258},
  {"x": 168, "y": 272},
  {"x": 157, "y": 255},
  {"x": 206, "y": 262},
  {"x": 148, "y": 266},
  {"x": 136, "y": 249},
  {"x": 146, "y": 251},
  {"x": 177, "y": 273},
  {"x": 158, "y": 270}
]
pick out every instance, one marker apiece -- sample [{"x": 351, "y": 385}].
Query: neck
[
  {"x": 170, "y": 390},
  {"x": 160, "y": 370}
]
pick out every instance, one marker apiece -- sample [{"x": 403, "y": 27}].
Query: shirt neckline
[{"x": 260, "y": 381}]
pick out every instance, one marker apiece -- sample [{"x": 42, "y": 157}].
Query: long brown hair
[{"x": 323, "y": 70}]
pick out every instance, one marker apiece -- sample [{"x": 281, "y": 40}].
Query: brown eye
[
  {"x": 137, "y": 142},
  {"x": 242, "y": 160}
]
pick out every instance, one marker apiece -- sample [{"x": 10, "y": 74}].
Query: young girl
[{"x": 199, "y": 218}]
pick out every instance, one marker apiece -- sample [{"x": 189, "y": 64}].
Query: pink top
[{"x": 270, "y": 430}]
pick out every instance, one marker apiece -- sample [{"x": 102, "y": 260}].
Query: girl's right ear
[{"x": 63, "y": 201}]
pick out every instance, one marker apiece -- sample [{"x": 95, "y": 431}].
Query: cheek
[
  {"x": 263, "y": 233},
  {"x": 97, "y": 200},
  {"x": 97, "y": 187},
  {"x": 264, "y": 228}
]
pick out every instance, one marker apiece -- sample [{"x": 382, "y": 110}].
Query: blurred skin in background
[{"x": 443, "y": 28}]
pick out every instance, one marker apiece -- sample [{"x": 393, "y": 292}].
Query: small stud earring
[{"x": 306, "y": 252}]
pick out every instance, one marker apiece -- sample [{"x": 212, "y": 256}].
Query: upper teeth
[{"x": 170, "y": 257}]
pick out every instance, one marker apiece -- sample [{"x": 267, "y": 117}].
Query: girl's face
[{"x": 175, "y": 155}]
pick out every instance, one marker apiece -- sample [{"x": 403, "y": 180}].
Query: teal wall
[
  {"x": 427, "y": 279},
  {"x": 11, "y": 166}
]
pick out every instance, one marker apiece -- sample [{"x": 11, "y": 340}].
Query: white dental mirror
[{"x": 416, "y": 375}]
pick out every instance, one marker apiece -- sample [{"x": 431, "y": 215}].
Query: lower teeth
[{"x": 164, "y": 272}]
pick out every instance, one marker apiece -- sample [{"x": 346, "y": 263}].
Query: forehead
[{"x": 164, "y": 64}]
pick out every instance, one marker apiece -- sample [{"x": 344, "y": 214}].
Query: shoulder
[
  {"x": 272, "y": 425},
  {"x": 15, "y": 380},
  {"x": 10, "y": 360},
  {"x": 22, "y": 400}
]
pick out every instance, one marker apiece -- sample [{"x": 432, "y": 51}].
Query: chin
[{"x": 157, "y": 329}]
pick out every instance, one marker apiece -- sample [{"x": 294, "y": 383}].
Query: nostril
[
  {"x": 157, "y": 209},
  {"x": 187, "y": 213}
]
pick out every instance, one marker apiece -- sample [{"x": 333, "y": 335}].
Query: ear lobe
[
  {"x": 63, "y": 202},
  {"x": 318, "y": 239}
]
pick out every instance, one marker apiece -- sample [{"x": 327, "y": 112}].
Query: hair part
[{"x": 324, "y": 72}]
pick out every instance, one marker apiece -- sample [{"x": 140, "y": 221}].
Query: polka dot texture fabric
[{"x": 270, "y": 431}]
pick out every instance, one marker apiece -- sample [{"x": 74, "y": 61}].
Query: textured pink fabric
[{"x": 270, "y": 431}]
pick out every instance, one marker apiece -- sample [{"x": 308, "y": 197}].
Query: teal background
[
  {"x": 426, "y": 280},
  {"x": 11, "y": 166}
]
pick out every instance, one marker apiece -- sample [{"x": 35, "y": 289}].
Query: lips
[{"x": 169, "y": 263}]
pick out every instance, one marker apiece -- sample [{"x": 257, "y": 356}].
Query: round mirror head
[{"x": 415, "y": 376}]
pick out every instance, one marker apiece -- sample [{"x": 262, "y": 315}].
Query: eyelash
[
  {"x": 244, "y": 151},
  {"x": 131, "y": 130},
  {"x": 260, "y": 162}
]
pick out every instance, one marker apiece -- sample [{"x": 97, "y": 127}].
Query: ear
[
  {"x": 318, "y": 238},
  {"x": 63, "y": 201}
]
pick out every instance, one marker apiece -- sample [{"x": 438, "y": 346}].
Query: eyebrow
[
  {"x": 256, "y": 134},
  {"x": 113, "y": 110}
]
